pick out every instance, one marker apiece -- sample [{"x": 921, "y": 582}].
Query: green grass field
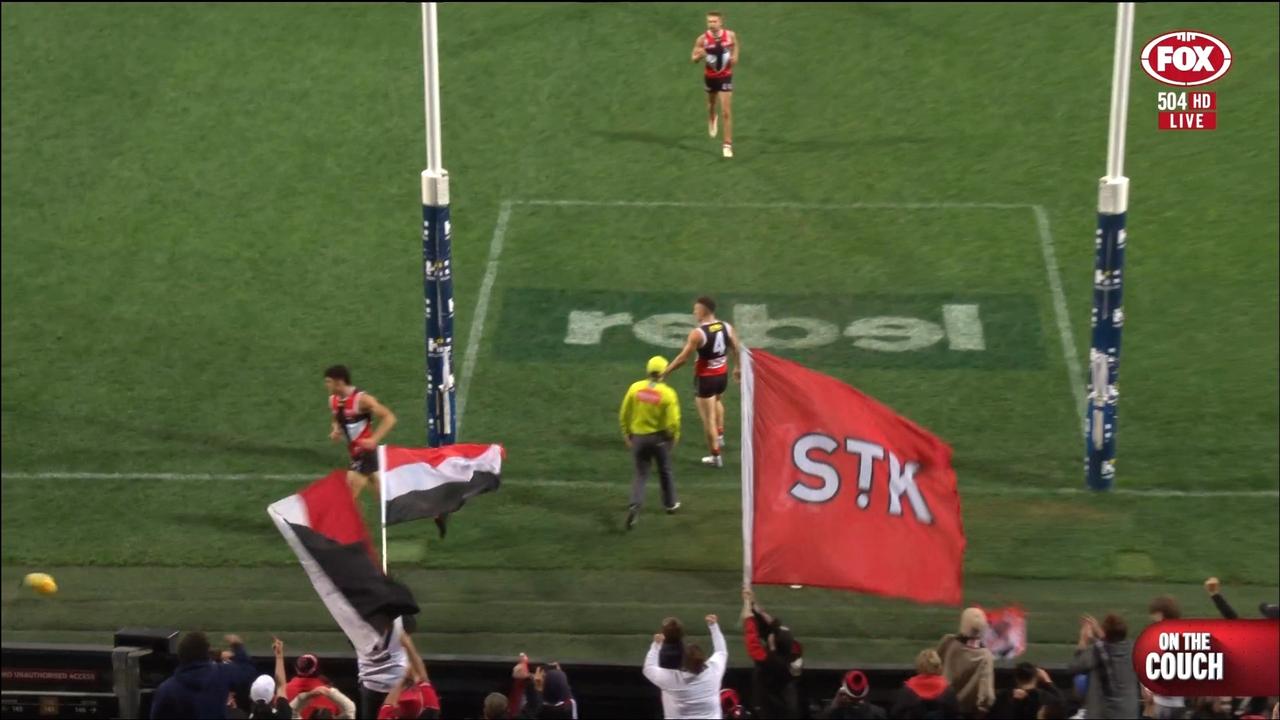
[{"x": 204, "y": 206}]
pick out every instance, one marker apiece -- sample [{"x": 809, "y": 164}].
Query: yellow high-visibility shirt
[{"x": 649, "y": 407}]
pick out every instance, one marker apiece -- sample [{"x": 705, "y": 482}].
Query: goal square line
[{"x": 1040, "y": 216}]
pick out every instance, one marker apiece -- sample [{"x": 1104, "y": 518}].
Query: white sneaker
[
  {"x": 728, "y": 150},
  {"x": 713, "y": 125},
  {"x": 713, "y": 461}
]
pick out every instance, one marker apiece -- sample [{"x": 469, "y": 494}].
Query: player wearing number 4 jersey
[
  {"x": 713, "y": 341},
  {"x": 718, "y": 49}
]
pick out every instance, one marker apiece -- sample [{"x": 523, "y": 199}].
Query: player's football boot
[{"x": 713, "y": 461}]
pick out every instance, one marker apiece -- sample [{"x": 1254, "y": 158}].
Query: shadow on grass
[
  {"x": 682, "y": 141},
  {"x": 248, "y": 523}
]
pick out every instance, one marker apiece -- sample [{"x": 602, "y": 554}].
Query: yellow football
[{"x": 41, "y": 583}]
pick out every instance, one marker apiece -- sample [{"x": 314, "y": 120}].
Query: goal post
[
  {"x": 437, "y": 252},
  {"x": 1107, "y": 318}
]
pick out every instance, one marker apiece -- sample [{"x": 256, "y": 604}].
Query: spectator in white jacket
[{"x": 694, "y": 690}]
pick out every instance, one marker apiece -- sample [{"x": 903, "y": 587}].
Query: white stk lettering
[
  {"x": 867, "y": 454},
  {"x": 902, "y": 480},
  {"x": 815, "y": 468}
]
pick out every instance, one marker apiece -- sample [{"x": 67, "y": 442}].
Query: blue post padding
[
  {"x": 1107, "y": 321},
  {"x": 437, "y": 289}
]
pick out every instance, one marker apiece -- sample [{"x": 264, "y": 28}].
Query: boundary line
[{"x": 974, "y": 489}]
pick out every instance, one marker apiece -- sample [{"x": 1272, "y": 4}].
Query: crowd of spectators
[{"x": 953, "y": 679}]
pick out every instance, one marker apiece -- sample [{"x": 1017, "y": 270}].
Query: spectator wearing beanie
[
  {"x": 850, "y": 702},
  {"x": 310, "y": 693},
  {"x": 968, "y": 665},
  {"x": 926, "y": 694},
  {"x": 1033, "y": 689},
  {"x": 731, "y": 705},
  {"x": 778, "y": 660},
  {"x": 694, "y": 690},
  {"x": 1106, "y": 655}
]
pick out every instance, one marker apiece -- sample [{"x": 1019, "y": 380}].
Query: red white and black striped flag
[
  {"x": 429, "y": 482},
  {"x": 323, "y": 526}
]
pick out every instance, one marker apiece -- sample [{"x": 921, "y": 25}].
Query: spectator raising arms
[
  {"x": 267, "y": 693},
  {"x": 672, "y": 655},
  {"x": 542, "y": 695},
  {"x": 305, "y": 704},
  {"x": 309, "y": 692},
  {"x": 926, "y": 694},
  {"x": 694, "y": 690},
  {"x": 380, "y": 670},
  {"x": 778, "y": 661},
  {"x": 1105, "y": 654},
  {"x": 199, "y": 686},
  {"x": 968, "y": 665},
  {"x": 1271, "y": 611}
]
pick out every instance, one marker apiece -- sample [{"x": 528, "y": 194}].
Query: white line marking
[
  {"x": 482, "y": 309},
  {"x": 965, "y": 489},
  {"x": 157, "y": 476},
  {"x": 783, "y": 205},
  {"x": 1074, "y": 367},
  {"x": 1075, "y": 371}
]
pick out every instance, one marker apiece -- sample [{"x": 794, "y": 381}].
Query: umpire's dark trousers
[{"x": 646, "y": 448}]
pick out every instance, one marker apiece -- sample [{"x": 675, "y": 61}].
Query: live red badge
[{"x": 1183, "y": 658}]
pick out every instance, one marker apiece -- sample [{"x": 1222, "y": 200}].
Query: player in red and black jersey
[
  {"x": 718, "y": 49},
  {"x": 352, "y": 412},
  {"x": 713, "y": 341}
]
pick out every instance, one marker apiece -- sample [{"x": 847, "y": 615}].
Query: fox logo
[{"x": 1186, "y": 58}]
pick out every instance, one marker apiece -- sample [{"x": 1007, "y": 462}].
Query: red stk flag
[{"x": 839, "y": 491}]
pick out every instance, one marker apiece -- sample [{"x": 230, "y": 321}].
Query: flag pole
[
  {"x": 382, "y": 501},
  {"x": 1107, "y": 318},
  {"x": 748, "y": 467}
]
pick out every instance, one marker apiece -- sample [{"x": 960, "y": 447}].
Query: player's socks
[
  {"x": 720, "y": 438},
  {"x": 633, "y": 514},
  {"x": 727, "y": 150},
  {"x": 713, "y": 125},
  {"x": 442, "y": 525}
]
